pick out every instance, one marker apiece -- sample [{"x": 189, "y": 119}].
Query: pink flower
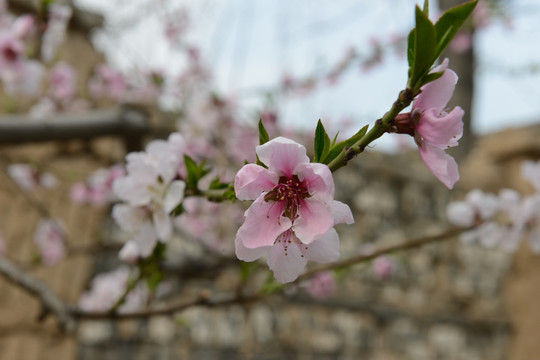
[
  {"x": 437, "y": 129},
  {"x": 50, "y": 240},
  {"x": 383, "y": 267},
  {"x": 294, "y": 212},
  {"x": 62, "y": 80},
  {"x": 107, "y": 288},
  {"x": 322, "y": 285}
]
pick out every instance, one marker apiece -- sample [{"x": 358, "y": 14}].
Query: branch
[
  {"x": 204, "y": 298},
  {"x": 49, "y": 300},
  {"x": 410, "y": 244}
]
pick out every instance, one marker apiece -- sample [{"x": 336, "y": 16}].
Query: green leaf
[
  {"x": 263, "y": 134},
  {"x": 411, "y": 50},
  {"x": 425, "y": 42},
  {"x": 432, "y": 77},
  {"x": 216, "y": 184},
  {"x": 194, "y": 172},
  {"x": 450, "y": 22},
  {"x": 425, "y": 9},
  {"x": 322, "y": 142},
  {"x": 337, "y": 148}
]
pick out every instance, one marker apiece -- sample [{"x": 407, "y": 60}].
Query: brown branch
[
  {"x": 50, "y": 302},
  {"x": 410, "y": 244},
  {"x": 202, "y": 300},
  {"x": 226, "y": 299}
]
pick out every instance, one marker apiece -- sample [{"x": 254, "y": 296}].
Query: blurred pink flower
[
  {"x": 50, "y": 240},
  {"x": 107, "y": 288},
  {"x": 62, "y": 81},
  {"x": 322, "y": 285}
]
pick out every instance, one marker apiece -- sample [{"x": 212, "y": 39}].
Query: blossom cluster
[
  {"x": 149, "y": 192},
  {"x": 502, "y": 220}
]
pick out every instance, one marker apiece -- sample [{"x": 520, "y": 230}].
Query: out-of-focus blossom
[
  {"x": 25, "y": 79},
  {"x": 62, "y": 82},
  {"x": 322, "y": 286},
  {"x": 150, "y": 191},
  {"x": 107, "y": 82},
  {"x": 29, "y": 178},
  {"x": 383, "y": 267},
  {"x": 97, "y": 189},
  {"x": 292, "y": 219},
  {"x": 106, "y": 289},
  {"x": 50, "y": 240},
  {"x": 57, "y": 22},
  {"x": 461, "y": 42}
]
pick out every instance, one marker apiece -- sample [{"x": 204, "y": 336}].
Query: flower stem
[{"x": 381, "y": 126}]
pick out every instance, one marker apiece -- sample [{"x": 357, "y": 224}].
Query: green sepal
[
  {"x": 432, "y": 77},
  {"x": 322, "y": 143},
  {"x": 263, "y": 134}
]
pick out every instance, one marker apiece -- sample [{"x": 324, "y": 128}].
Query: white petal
[{"x": 286, "y": 264}]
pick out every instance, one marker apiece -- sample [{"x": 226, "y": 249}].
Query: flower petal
[
  {"x": 323, "y": 250},
  {"x": 342, "y": 213},
  {"x": 247, "y": 254},
  {"x": 436, "y": 94},
  {"x": 286, "y": 263},
  {"x": 282, "y": 155},
  {"x": 441, "y": 130},
  {"x": 317, "y": 178},
  {"x": 174, "y": 196},
  {"x": 129, "y": 218},
  {"x": 252, "y": 180},
  {"x": 314, "y": 219},
  {"x": 163, "y": 224},
  {"x": 263, "y": 224},
  {"x": 442, "y": 165},
  {"x": 131, "y": 191}
]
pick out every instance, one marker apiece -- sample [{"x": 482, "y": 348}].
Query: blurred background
[{"x": 105, "y": 77}]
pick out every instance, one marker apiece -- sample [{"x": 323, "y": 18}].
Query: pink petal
[
  {"x": 342, "y": 213},
  {"x": 286, "y": 265},
  {"x": 323, "y": 250},
  {"x": 282, "y": 155},
  {"x": 317, "y": 178},
  {"x": 443, "y": 130},
  {"x": 436, "y": 94},
  {"x": 252, "y": 180},
  {"x": 263, "y": 224},
  {"x": 442, "y": 165},
  {"x": 314, "y": 219},
  {"x": 246, "y": 254}
]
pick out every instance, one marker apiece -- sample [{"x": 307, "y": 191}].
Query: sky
[{"x": 250, "y": 44}]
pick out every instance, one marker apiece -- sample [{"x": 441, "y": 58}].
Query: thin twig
[
  {"x": 49, "y": 300},
  {"x": 410, "y": 244}
]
